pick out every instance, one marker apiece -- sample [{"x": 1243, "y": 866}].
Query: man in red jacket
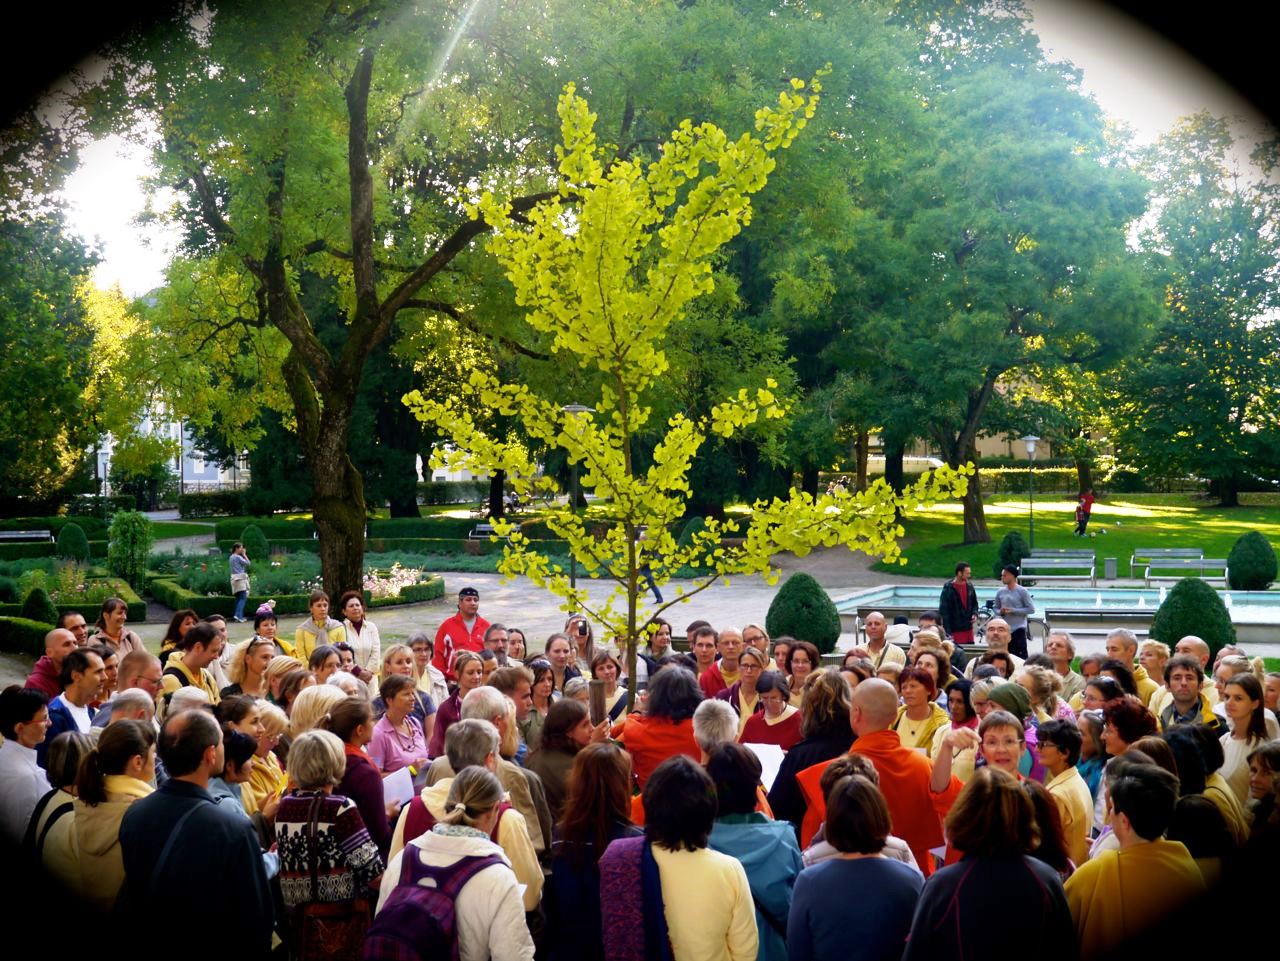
[
  {"x": 462, "y": 632},
  {"x": 724, "y": 673},
  {"x": 45, "y": 673}
]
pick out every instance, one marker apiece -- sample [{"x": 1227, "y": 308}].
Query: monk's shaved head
[{"x": 874, "y": 706}]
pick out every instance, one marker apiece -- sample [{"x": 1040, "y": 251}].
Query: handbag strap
[{"x": 168, "y": 845}]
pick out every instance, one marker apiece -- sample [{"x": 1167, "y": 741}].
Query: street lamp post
[
  {"x": 577, "y": 410},
  {"x": 1030, "y": 441}
]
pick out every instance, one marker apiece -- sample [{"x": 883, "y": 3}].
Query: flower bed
[{"x": 72, "y": 587}]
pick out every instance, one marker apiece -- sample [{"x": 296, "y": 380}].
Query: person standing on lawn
[
  {"x": 1084, "y": 510},
  {"x": 959, "y": 605}
]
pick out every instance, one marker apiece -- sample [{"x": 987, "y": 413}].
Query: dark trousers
[{"x": 1018, "y": 642}]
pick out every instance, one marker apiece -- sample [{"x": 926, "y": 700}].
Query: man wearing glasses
[{"x": 140, "y": 670}]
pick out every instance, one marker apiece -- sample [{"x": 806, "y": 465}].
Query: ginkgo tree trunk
[{"x": 603, "y": 270}]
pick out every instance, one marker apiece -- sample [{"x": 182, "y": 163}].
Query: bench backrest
[
  {"x": 1186, "y": 563},
  {"x": 1059, "y": 552},
  {"x": 1048, "y": 563},
  {"x": 1160, "y": 553}
]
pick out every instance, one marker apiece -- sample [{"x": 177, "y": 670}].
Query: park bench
[
  {"x": 1176, "y": 568},
  {"x": 1079, "y": 568},
  {"x": 481, "y": 531},
  {"x": 1151, "y": 555},
  {"x": 1051, "y": 552},
  {"x": 26, "y": 535}
]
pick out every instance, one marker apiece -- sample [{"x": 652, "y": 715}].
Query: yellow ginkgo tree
[{"x": 603, "y": 271}]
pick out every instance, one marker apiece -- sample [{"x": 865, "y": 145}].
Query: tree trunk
[
  {"x": 809, "y": 480},
  {"x": 339, "y": 513},
  {"x": 1229, "y": 491},
  {"x": 894, "y": 454},
  {"x": 496, "y": 482},
  {"x": 1084, "y": 473},
  {"x": 975, "y": 520},
  {"x": 861, "y": 453}
]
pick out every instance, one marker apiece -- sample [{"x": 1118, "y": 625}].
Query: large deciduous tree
[
  {"x": 332, "y": 141},
  {"x": 1205, "y": 399}
]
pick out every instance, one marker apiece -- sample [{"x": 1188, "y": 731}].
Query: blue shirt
[{"x": 822, "y": 926}]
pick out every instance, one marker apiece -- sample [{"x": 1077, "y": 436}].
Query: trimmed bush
[
  {"x": 130, "y": 544},
  {"x": 168, "y": 592},
  {"x": 273, "y": 528},
  {"x": 211, "y": 503},
  {"x": 73, "y": 544},
  {"x": 1251, "y": 565},
  {"x": 19, "y": 635},
  {"x": 802, "y": 609},
  {"x": 255, "y": 542},
  {"x": 452, "y": 492},
  {"x": 38, "y": 606},
  {"x": 693, "y": 525},
  {"x": 8, "y": 591},
  {"x": 1193, "y": 607},
  {"x": 1013, "y": 548}
]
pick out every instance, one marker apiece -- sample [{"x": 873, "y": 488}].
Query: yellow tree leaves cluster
[{"x": 603, "y": 270}]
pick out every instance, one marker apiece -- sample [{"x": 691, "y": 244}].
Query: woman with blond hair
[
  {"x": 267, "y": 781},
  {"x": 312, "y": 706},
  {"x": 248, "y": 671},
  {"x": 468, "y": 668},
  {"x": 1043, "y": 686},
  {"x": 431, "y": 680},
  {"x": 278, "y": 668},
  {"x": 403, "y": 660}
]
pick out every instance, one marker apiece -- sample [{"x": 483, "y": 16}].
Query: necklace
[{"x": 408, "y": 741}]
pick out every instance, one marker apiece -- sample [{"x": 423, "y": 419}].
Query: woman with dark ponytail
[
  {"x": 352, "y": 721},
  {"x": 116, "y": 773}
]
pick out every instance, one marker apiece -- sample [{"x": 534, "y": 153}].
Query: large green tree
[{"x": 1205, "y": 400}]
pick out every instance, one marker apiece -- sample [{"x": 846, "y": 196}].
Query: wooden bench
[
  {"x": 1151, "y": 555},
  {"x": 26, "y": 535},
  {"x": 1058, "y": 569},
  {"x": 1206, "y": 568}
]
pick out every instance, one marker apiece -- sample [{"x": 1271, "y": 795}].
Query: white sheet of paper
[
  {"x": 770, "y": 756},
  {"x": 398, "y": 787}
]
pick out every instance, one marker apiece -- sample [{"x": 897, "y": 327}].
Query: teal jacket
[{"x": 771, "y": 857}]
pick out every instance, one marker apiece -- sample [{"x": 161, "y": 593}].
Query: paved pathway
[{"x": 519, "y": 604}]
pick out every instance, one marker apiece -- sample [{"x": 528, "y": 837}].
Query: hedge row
[
  {"x": 452, "y": 492},
  {"x": 136, "y": 606},
  {"x": 169, "y": 592},
  {"x": 413, "y": 545},
  {"x": 92, "y": 526},
  {"x": 278, "y": 529},
  {"x": 211, "y": 503},
  {"x": 21, "y": 636},
  {"x": 22, "y": 550}
]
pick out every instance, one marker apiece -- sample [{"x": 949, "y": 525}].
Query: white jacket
[{"x": 488, "y": 912}]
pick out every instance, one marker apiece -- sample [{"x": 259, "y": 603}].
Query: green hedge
[
  {"x": 452, "y": 492},
  {"x": 21, "y": 636},
  {"x": 273, "y": 528},
  {"x": 170, "y": 593},
  {"x": 136, "y": 606},
  {"x": 285, "y": 529},
  {"x": 13, "y": 552},
  {"x": 94, "y": 527},
  {"x": 211, "y": 503},
  {"x": 413, "y": 545}
]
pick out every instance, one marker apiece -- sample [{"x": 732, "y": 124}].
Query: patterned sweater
[{"x": 347, "y": 858}]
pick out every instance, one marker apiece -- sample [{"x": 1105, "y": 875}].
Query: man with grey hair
[
  {"x": 139, "y": 670},
  {"x": 714, "y": 722},
  {"x": 474, "y": 742},
  {"x": 524, "y": 788},
  {"x": 1122, "y": 644},
  {"x": 1060, "y": 647},
  {"x": 495, "y": 639}
]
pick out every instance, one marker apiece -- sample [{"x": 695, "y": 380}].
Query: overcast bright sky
[{"x": 1135, "y": 75}]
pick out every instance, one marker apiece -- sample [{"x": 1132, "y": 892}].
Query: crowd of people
[{"x": 930, "y": 802}]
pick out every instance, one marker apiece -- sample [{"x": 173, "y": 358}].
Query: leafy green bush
[
  {"x": 273, "y": 528},
  {"x": 452, "y": 492},
  {"x": 255, "y": 543},
  {"x": 94, "y": 527},
  {"x": 1251, "y": 565},
  {"x": 1193, "y": 607},
  {"x": 130, "y": 542},
  {"x": 39, "y": 607},
  {"x": 23, "y": 549},
  {"x": 1013, "y": 548},
  {"x": 8, "y": 590},
  {"x": 693, "y": 525},
  {"x": 1126, "y": 481},
  {"x": 20, "y": 635},
  {"x": 73, "y": 544},
  {"x": 802, "y": 609}
]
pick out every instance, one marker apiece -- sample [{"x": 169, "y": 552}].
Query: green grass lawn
[
  {"x": 163, "y": 529},
  {"x": 1120, "y": 523}
]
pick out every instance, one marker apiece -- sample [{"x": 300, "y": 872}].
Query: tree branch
[{"x": 470, "y": 323}]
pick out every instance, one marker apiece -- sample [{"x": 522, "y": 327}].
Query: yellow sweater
[
  {"x": 1120, "y": 894},
  {"x": 1075, "y": 805},
  {"x": 707, "y": 901}
]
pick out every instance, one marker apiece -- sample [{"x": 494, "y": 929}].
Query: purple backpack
[{"x": 418, "y": 922}]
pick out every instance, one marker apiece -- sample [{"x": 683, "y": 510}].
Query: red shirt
[
  {"x": 453, "y": 637},
  {"x": 712, "y": 681},
  {"x": 651, "y": 740}
]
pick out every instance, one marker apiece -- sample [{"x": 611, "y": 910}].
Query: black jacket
[{"x": 957, "y": 612}]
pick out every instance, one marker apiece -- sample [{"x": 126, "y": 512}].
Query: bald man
[
  {"x": 879, "y": 650},
  {"x": 45, "y": 673},
  {"x": 907, "y": 778},
  {"x": 998, "y": 638},
  {"x": 1195, "y": 647},
  {"x": 1122, "y": 645}
]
